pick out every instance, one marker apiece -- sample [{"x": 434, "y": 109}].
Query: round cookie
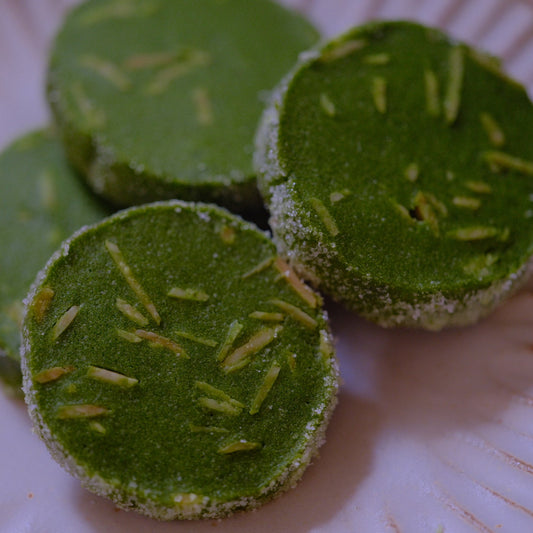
[
  {"x": 173, "y": 363},
  {"x": 169, "y": 109},
  {"x": 397, "y": 165},
  {"x": 42, "y": 202}
]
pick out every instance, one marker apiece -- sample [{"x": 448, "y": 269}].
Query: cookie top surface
[
  {"x": 173, "y": 363},
  {"x": 405, "y": 155},
  {"x": 175, "y": 100},
  {"x": 42, "y": 202}
]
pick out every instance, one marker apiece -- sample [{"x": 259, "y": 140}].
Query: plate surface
[{"x": 433, "y": 432}]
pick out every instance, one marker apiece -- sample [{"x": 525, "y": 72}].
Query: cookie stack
[{"x": 173, "y": 359}]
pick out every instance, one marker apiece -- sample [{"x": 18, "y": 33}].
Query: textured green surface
[
  {"x": 159, "y": 440},
  {"x": 42, "y": 202},
  {"x": 410, "y": 208},
  {"x": 159, "y": 99}
]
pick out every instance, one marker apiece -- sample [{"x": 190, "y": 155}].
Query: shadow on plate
[{"x": 430, "y": 384}]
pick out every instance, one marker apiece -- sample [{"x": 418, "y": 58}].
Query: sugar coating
[
  {"x": 321, "y": 207},
  {"x": 292, "y": 239},
  {"x": 95, "y": 387}
]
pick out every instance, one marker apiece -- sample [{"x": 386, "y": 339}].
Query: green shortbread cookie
[
  {"x": 42, "y": 202},
  {"x": 173, "y": 363},
  {"x": 159, "y": 99},
  {"x": 398, "y": 168}
]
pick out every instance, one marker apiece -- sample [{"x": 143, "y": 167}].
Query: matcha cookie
[
  {"x": 10, "y": 375},
  {"x": 173, "y": 363},
  {"x": 398, "y": 168},
  {"x": 42, "y": 202},
  {"x": 159, "y": 99}
]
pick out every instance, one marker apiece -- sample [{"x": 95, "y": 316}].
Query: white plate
[{"x": 433, "y": 432}]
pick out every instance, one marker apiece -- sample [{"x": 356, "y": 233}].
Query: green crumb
[
  {"x": 188, "y": 294},
  {"x": 190, "y": 61},
  {"x": 131, "y": 312},
  {"x": 219, "y": 406},
  {"x": 71, "y": 388},
  {"x": 108, "y": 71},
  {"x": 128, "y": 336},
  {"x": 337, "y": 196},
  {"x": 207, "y": 429},
  {"x": 379, "y": 93},
  {"x": 267, "y": 316},
  {"x": 467, "y": 202},
  {"x": 452, "y": 98},
  {"x": 326, "y": 348},
  {"x": 479, "y": 187},
  {"x": 241, "y": 355},
  {"x": 488, "y": 61},
  {"x": 474, "y": 233},
  {"x": 343, "y": 50},
  {"x": 97, "y": 427},
  {"x": 291, "y": 359},
  {"x": 403, "y": 212},
  {"x": 204, "y": 107},
  {"x": 111, "y": 377},
  {"x": 263, "y": 265},
  {"x": 217, "y": 393},
  {"x": 493, "y": 130},
  {"x": 502, "y": 161},
  {"x": 327, "y": 105},
  {"x": 118, "y": 258},
  {"x": 118, "y": 9},
  {"x": 436, "y": 203},
  {"x": 66, "y": 412},
  {"x": 481, "y": 265},
  {"x": 263, "y": 391},
  {"x": 376, "y": 59},
  {"x": 239, "y": 446},
  {"x": 504, "y": 235},
  {"x": 47, "y": 190},
  {"x": 412, "y": 172},
  {"x": 324, "y": 214},
  {"x": 296, "y": 313},
  {"x": 163, "y": 342},
  {"x": 425, "y": 211},
  {"x": 149, "y": 60},
  {"x": 65, "y": 321},
  {"x": 303, "y": 291},
  {"x": 432, "y": 93},
  {"x": 90, "y": 115},
  {"x": 200, "y": 340},
  {"x": 52, "y": 374},
  {"x": 234, "y": 330},
  {"x": 227, "y": 234}
]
